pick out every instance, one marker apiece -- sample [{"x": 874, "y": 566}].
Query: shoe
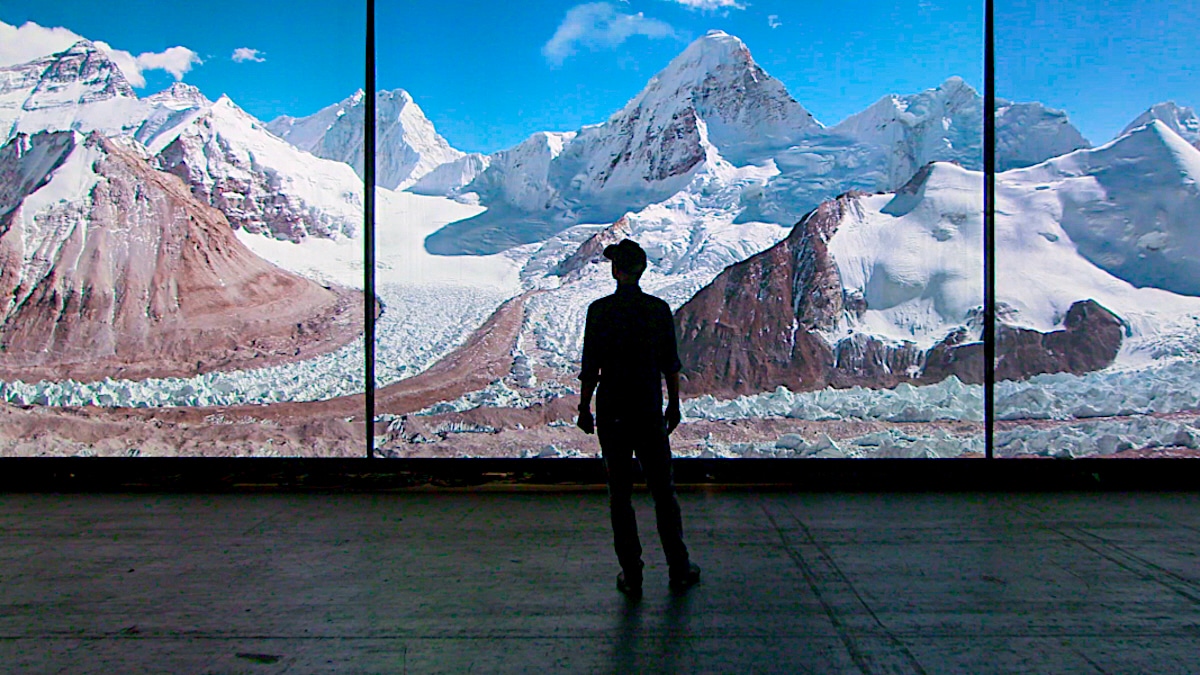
[
  {"x": 631, "y": 587},
  {"x": 680, "y": 583},
  {"x": 631, "y": 584}
]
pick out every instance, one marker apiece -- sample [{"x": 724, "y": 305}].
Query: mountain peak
[
  {"x": 179, "y": 92},
  {"x": 1180, "y": 119},
  {"x": 706, "y": 54},
  {"x": 83, "y": 46}
]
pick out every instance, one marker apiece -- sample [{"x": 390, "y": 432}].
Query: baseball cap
[{"x": 626, "y": 255}]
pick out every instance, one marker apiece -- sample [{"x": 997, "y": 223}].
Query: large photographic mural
[{"x": 181, "y": 229}]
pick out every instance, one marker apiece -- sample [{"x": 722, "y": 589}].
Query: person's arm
[
  {"x": 670, "y": 369},
  {"x": 674, "y": 416},
  {"x": 589, "y": 376}
]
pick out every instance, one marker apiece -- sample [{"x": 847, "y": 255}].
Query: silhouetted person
[{"x": 628, "y": 347}]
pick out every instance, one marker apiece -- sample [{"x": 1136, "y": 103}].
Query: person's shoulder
[
  {"x": 656, "y": 302},
  {"x": 601, "y": 304}
]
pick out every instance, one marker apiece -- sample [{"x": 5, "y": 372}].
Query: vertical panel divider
[
  {"x": 989, "y": 228},
  {"x": 369, "y": 231}
]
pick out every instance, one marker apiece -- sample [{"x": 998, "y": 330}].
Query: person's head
[{"x": 628, "y": 261}]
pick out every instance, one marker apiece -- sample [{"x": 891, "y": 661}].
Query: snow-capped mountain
[
  {"x": 876, "y": 289},
  {"x": 1129, "y": 207},
  {"x": 111, "y": 268},
  {"x": 79, "y": 88},
  {"x": 260, "y": 182},
  {"x": 407, "y": 146},
  {"x": 1030, "y": 133},
  {"x": 1180, "y": 119},
  {"x": 710, "y": 100},
  {"x": 938, "y": 125},
  {"x": 230, "y": 160}
]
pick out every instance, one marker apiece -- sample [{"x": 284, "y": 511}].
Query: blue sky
[{"x": 484, "y": 73}]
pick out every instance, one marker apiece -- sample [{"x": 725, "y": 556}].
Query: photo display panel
[
  {"x": 1097, "y": 230},
  {"x": 806, "y": 184},
  {"x": 181, "y": 223}
]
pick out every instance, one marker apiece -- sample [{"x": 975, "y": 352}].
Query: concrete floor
[{"x": 483, "y": 583}]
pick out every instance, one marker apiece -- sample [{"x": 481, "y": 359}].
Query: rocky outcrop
[
  {"x": 112, "y": 269},
  {"x": 592, "y": 250},
  {"x": 1089, "y": 341},
  {"x": 757, "y": 322}
]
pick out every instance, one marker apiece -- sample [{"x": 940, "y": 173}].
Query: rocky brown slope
[{"x": 109, "y": 268}]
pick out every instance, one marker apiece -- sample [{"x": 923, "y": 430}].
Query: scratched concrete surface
[{"x": 486, "y": 583}]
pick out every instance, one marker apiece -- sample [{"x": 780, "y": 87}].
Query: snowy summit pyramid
[
  {"x": 711, "y": 105},
  {"x": 1180, "y": 119},
  {"x": 407, "y": 145},
  {"x": 79, "y": 87}
]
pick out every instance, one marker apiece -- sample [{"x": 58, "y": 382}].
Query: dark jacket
[{"x": 628, "y": 345}]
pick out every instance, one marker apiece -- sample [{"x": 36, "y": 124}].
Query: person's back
[
  {"x": 630, "y": 340},
  {"x": 628, "y": 348}
]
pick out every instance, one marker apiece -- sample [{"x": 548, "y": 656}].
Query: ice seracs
[{"x": 407, "y": 145}]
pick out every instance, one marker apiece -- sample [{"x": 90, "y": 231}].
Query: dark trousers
[{"x": 619, "y": 441}]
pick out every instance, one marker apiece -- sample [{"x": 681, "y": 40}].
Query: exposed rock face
[
  {"x": 592, "y": 250},
  {"x": 113, "y": 269},
  {"x": 1090, "y": 341},
  {"x": 756, "y": 322},
  {"x": 60, "y": 90}
]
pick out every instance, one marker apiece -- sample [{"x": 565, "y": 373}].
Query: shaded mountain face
[
  {"x": 113, "y": 269},
  {"x": 407, "y": 146},
  {"x": 1130, "y": 206},
  {"x": 1031, "y": 133}
]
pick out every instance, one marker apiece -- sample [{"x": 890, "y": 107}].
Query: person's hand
[
  {"x": 585, "y": 421},
  {"x": 673, "y": 417}
]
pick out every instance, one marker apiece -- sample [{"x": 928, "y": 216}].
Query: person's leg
[
  {"x": 654, "y": 452},
  {"x": 618, "y": 463}
]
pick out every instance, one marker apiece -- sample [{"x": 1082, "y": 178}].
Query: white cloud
[
  {"x": 711, "y": 4},
  {"x": 773, "y": 21},
  {"x": 598, "y": 25},
  {"x": 31, "y": 41},
  {"x": 243, "y": 54},
  {"x": 176, "y": 60}
]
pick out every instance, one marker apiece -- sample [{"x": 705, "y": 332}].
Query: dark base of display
[{"x": 365, "y": 475}]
